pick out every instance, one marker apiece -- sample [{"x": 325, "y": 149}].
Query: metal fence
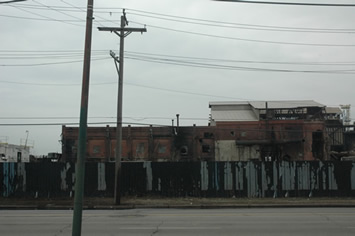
[{"x": 177, "y": 179}]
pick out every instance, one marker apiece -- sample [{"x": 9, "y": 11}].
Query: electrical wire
[
  {"x": 45, "y": 17},
  {"x": 11, "y": 1},
  {"x": 94, "y": 117},
  {"x": 132, "y": 11},
  {"x": 52, "y": 63},
  {"x": 52, "y": 84},
  {"x": 48, "y": 54},
  {"x": 40, "y": 19},
  {"x": 84, "y": 11},
  {"x": 209, "y": 23},
  {"x": 182, "y": 92},
  {"x": 221, "y": 37},
  {"x": 187, "y": 61},
  {"x": 126, "y": 83},
  {"x": 252, "y": 27},
  {"x": 36, "y": 56},
  {"x": 244, "y": 39},
  {"x": 342, "y": 63},
  {"x": 77, "y": 123},
  {"x": 61, "y": 12},
  {"x": 307, "y": 29},
  {"x": 226, "y": 67},
  {"x": 235, "y": 128},
  {"x": 38, "y": 7},
  {"x": 291, "y": 3}
]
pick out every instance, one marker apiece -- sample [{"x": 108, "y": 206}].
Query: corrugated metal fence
[{"x": 199, "y": 179}]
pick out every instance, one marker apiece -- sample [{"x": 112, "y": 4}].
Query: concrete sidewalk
[{"x": 158, "y": 202}]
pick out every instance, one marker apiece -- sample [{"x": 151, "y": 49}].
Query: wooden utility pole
[
  {"x": 122, "y": 32},
  {"x": 80, "y": 163}
]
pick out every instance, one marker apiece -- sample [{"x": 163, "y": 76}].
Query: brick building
[{"x": 237, "y": 131}]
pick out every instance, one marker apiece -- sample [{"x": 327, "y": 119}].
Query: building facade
[
  {"x": 237, "y": 131},
  {"x": 14, "y": 153}
]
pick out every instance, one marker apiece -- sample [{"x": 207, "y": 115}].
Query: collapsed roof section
[{"x": 268, "y": 110}]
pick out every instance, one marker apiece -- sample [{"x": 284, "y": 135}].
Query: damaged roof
[
  {"x": 250, "y": 110},
  {"x": 290, "y": 104}
]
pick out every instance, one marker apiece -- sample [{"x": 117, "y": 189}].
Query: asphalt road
[{"x": 263, "y": 221}]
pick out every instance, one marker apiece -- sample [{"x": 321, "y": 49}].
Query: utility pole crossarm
[{"x": 118, "y": 29}]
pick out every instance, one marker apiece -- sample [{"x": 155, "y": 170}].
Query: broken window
[
  {"x": 184, "y": 150},
  {"x": 96, "y": 149},
  {"x": 140, "y": 148},
  {"x": 208, "y": 135},
  {"x": 317, "y": 144},
  {"x": 206, "y": 148},
  {"x": 161, "y": 149}
]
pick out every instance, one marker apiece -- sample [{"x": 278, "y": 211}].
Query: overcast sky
[{"x": 194, "y": 52}]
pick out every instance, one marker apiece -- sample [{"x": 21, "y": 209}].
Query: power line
[
  {"x": 234, "y": 38},
  {"x": 11, "y": 1},
  {"x": 209, "y": 22},
  {"x": 154, "y": 14},
  {"x": 95, "y": 117},
  {"x": 36, "y": 56},
  {"x": 244, "y": 39},
  {"x": 40, "y": 19},
  {"x": 254, "y": 27},
  {"x": 76, "y": 123},
  {"x": 226, "y": 67},
  {"x": 193, "y": 62},
  {"x": 46, "y": 84},
  {"x": 239, "y": 24},
  {"x": 183, "y": 92},
  {"x": 342, "y": 63},
  {"x": 61, "y": 12},
  {"x": 228, "y": 129},
  {"x": 51, "y": 63},
  {"x": 38, "y": 7},
  {"x": 190, "y": 63},
  {"x": 290, "y": 3},
  {"x": 45, "y": 17},
  {"x": 51, "y": 52},
  {"x": 82, "y": 10},
  {"x": 48, "y": 54},
  {"x": 131, "y": 84}
]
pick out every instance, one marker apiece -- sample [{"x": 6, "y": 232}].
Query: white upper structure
[
  {"x": 256, "y": 110},
  {"x": 14, "y": 153}
]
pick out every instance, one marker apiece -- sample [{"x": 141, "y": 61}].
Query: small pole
[{"x": 177, "y": 122}]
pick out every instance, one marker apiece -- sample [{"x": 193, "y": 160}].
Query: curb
[{"x": 128, "y": 207}]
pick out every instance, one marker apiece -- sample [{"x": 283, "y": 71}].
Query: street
[{"x": 255, "y": 221}]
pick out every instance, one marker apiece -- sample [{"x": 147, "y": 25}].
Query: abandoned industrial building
[{"x": 237, "y": 131}]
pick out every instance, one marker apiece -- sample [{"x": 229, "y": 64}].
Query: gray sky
[{"x": 229, "y": 51}]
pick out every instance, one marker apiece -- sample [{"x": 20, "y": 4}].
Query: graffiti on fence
[{"x": 179, "y": 179}]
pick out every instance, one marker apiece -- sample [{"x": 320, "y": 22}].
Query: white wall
[
  {"x": 227, "y": 150},
  {"x": 11, "y": 153}
]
